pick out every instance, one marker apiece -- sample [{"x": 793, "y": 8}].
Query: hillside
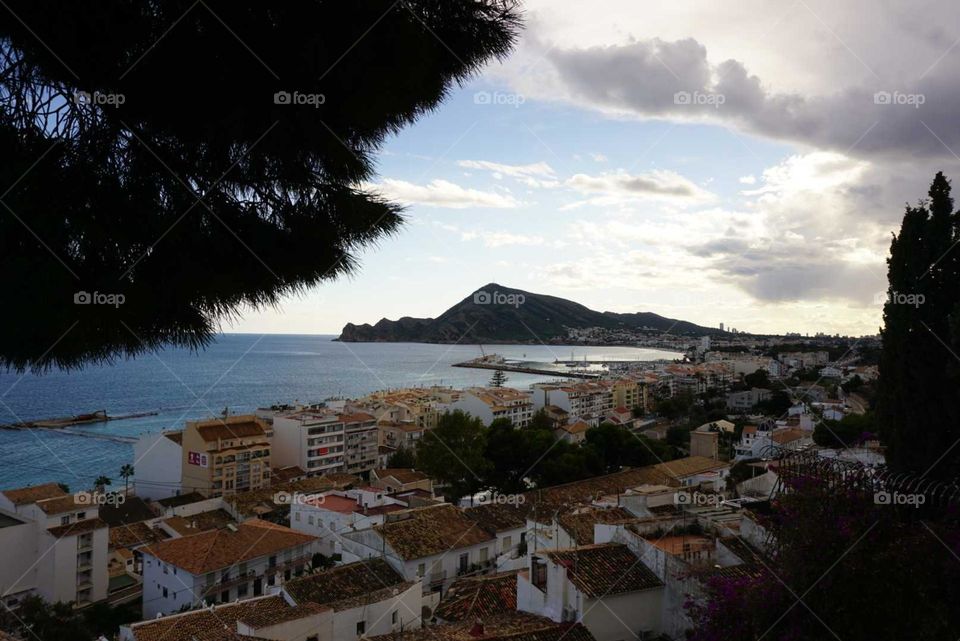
[{"x": 500, "y": 317}]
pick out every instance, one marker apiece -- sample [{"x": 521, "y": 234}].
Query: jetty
[
  {"x": 57, "y": 423},
  {"x": 500, "y": 364}
]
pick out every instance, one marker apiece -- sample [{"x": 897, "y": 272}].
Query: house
[
  {"x": 235, "y": 563},
  {"x": 396, "y": 435},
  {"x": 400, "y": 479},
  {"x": 505, "y": 521},
  {"x": 605, "y": 587},
  {"x": 224, "y": 456},
  {"x": 746, "y": 400},
  {"x": 590, "y": 401},
  {"x": 264, "y": 617},
  {"x": 705, "y": 441},
  {"x": 329, "y": 514},
  {"x": 158, "y": 468},
  {"x": 52, "y": 544},
  {"x": 572, "y": 432},
  {"x": 367, "y": 598},
  {"x": 695, "y": 471},
  {"x": 479, "y": 597},
  {"x": 437, "y": 543}
]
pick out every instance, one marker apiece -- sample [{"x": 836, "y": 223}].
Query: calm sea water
[{"x": 240, "y": 372}]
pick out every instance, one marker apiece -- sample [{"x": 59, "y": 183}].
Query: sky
[{"x": 740, "y": 163}]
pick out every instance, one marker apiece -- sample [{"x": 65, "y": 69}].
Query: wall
[
  {"x": 622, "y": 616},
  {"x": 378, "y": 616},
  {"x": 158, "y": 467},
  {"x": 18, "y": 551}
]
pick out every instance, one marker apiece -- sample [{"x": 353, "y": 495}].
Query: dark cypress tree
[
  {"x": 918, "y": 407},
  {"x": 198, "y": 157}
]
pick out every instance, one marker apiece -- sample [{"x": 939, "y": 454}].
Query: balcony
[{"x": 84, "y": 565}]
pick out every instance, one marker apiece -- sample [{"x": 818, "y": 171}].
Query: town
[{"x": 331, "y": 520}]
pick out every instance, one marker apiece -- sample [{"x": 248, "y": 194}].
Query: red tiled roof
[
  {"x": 479, "y": 597},
  {"x": 207, "y": 625},
  {"x": 216, "y": 549},
  {"x": 33, "y": 493},
  {"x": 605, "y": 569},
  {"x": 426, "y": 531},
  {"x": 516, "y": 626},
  {"x": 220, "y": 430},
  {"x": 346, "y": 586},
  {"x": 580, "y": 525},
  {"x": 404, "y": 475},
  {"x": 76, "y": 528}
]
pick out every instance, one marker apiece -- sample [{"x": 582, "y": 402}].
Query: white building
[
  {"x": 344, "y": 603},
  {"x": 744, "y": 401},
  {"x": 329, "y": 515},
  {"x": 235, "y": 563},
  {"x": 437, "y": 543},
  {"x": 491, "y": 403},
  {"x": 321, "y": 440},
  {"x": 591, "y": 401},
  {"x": 158, "y": 465},
  {"x": 603, "y": 586},
  {"x": 52, "y": 544}
]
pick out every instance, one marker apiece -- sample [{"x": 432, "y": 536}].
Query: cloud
[
  {"x": 748, "y": 180},
  {"x": 442, "y": 193},
  {"x": 502, "y": 239},
  {"x": 597, "y": 157},
  {"x": 622, "y": 187},
  {"x": 655, "y": 78},
  {"x": 538, "y": 174}
]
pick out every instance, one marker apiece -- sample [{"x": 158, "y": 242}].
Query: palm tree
[
  {"x": 126, "y": 472},
  {"x": 101, "y": 483}
]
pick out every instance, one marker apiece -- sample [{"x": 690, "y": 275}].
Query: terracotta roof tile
[
  {"x": 204, "y": 625},
  {"x": 580, "y": 525},
  {"x": 497, "y": 517},
  {"x": 133, "y": 534},
  {"x": 483, "y": 596},
  {"x": 221, "y": 430},
  {"x": 348, "y": 585},
  {"x": 516, "y": 626},
  {"x": 76, "y": 528},
  {"x": 216, "y": 549},
  {"x": 426, "y": 531},
  {"x": 33, "y": 493},
  {"x": 403, "y": 475},
  {"x": 544, "y": 502},
  {"x": 605, "y": 569}
]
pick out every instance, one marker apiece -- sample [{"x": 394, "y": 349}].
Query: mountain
[{"x": 497, "y": 314}]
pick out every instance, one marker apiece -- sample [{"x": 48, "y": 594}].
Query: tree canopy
[
  {"x": 917, "y": 408},
  {"x": 178, "y": 161}
]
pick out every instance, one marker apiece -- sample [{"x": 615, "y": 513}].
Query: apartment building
[
  {"x": 417, "y": 406},
  {"x": 745, "y": 400},
  {"x": 631, "y": 393},
  {"x": 323, "y": 440},
  {"x": 52, "y": 544},
  {"x": 589, "y": 401},
  {"x": 234, "y": 563},
  {"x": 492, "y": 403},
  {"x": 224, "y": 456},
  {"x": 329, "y": 514},
  {"x": 400, "y": 435}
]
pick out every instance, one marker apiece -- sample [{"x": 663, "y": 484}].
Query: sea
[{"x": 237, "y": 372}]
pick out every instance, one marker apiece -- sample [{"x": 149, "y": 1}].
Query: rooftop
[
  {"x": 544, "y": 502},
  {"x": 425, "y": 531},
  {"x": 200, "y": 522},
  {"x": 133, "y": 534},
  {"x": 33, "y": 493},
  {"x": 605, "y": 569},
  {"x": 132, "y": 510},
  {"x": 516, "y": 626},
  {"x": 579, "y": 525},
  {"x": 209, "y": 624},
  {"x": 482, "y": 597},
  {"x": 216, "y": 549},
  {"x": 402, "y": 474},
  {"x": 497, "y": 517},
  {"x": 349, "y": 585},
  {"x": 690, "y": 466},
  {"x": 230, "y": 428}
]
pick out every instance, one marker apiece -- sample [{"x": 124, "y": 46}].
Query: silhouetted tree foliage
[
  {"x": 917, "y": 406},
  {"x": 158, "y": 151},
  {"x": 403, "y": 457}
]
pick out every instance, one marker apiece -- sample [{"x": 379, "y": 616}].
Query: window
[
  {"x": 164, "y": 592},
  {"x": 464, "y": 561},
  {"x": 65, "y": 520},
  {"x": 310, "y": 519},
  {"x": 507, "y": 543},
  {"x": 483, "y": 555},
  {"x": 242, "y": 590},
  {"x": 539, "y": 578},
  {"x": 393, "y": 617},
  {"x": 421, "y": 570},
  {"x": 225, "y": 596},
  {"x": 361, "y": 627},
  {"x": 81, "y": 516}
]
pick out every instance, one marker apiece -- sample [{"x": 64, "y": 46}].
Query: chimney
[{"x": 477, "y": 629}]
